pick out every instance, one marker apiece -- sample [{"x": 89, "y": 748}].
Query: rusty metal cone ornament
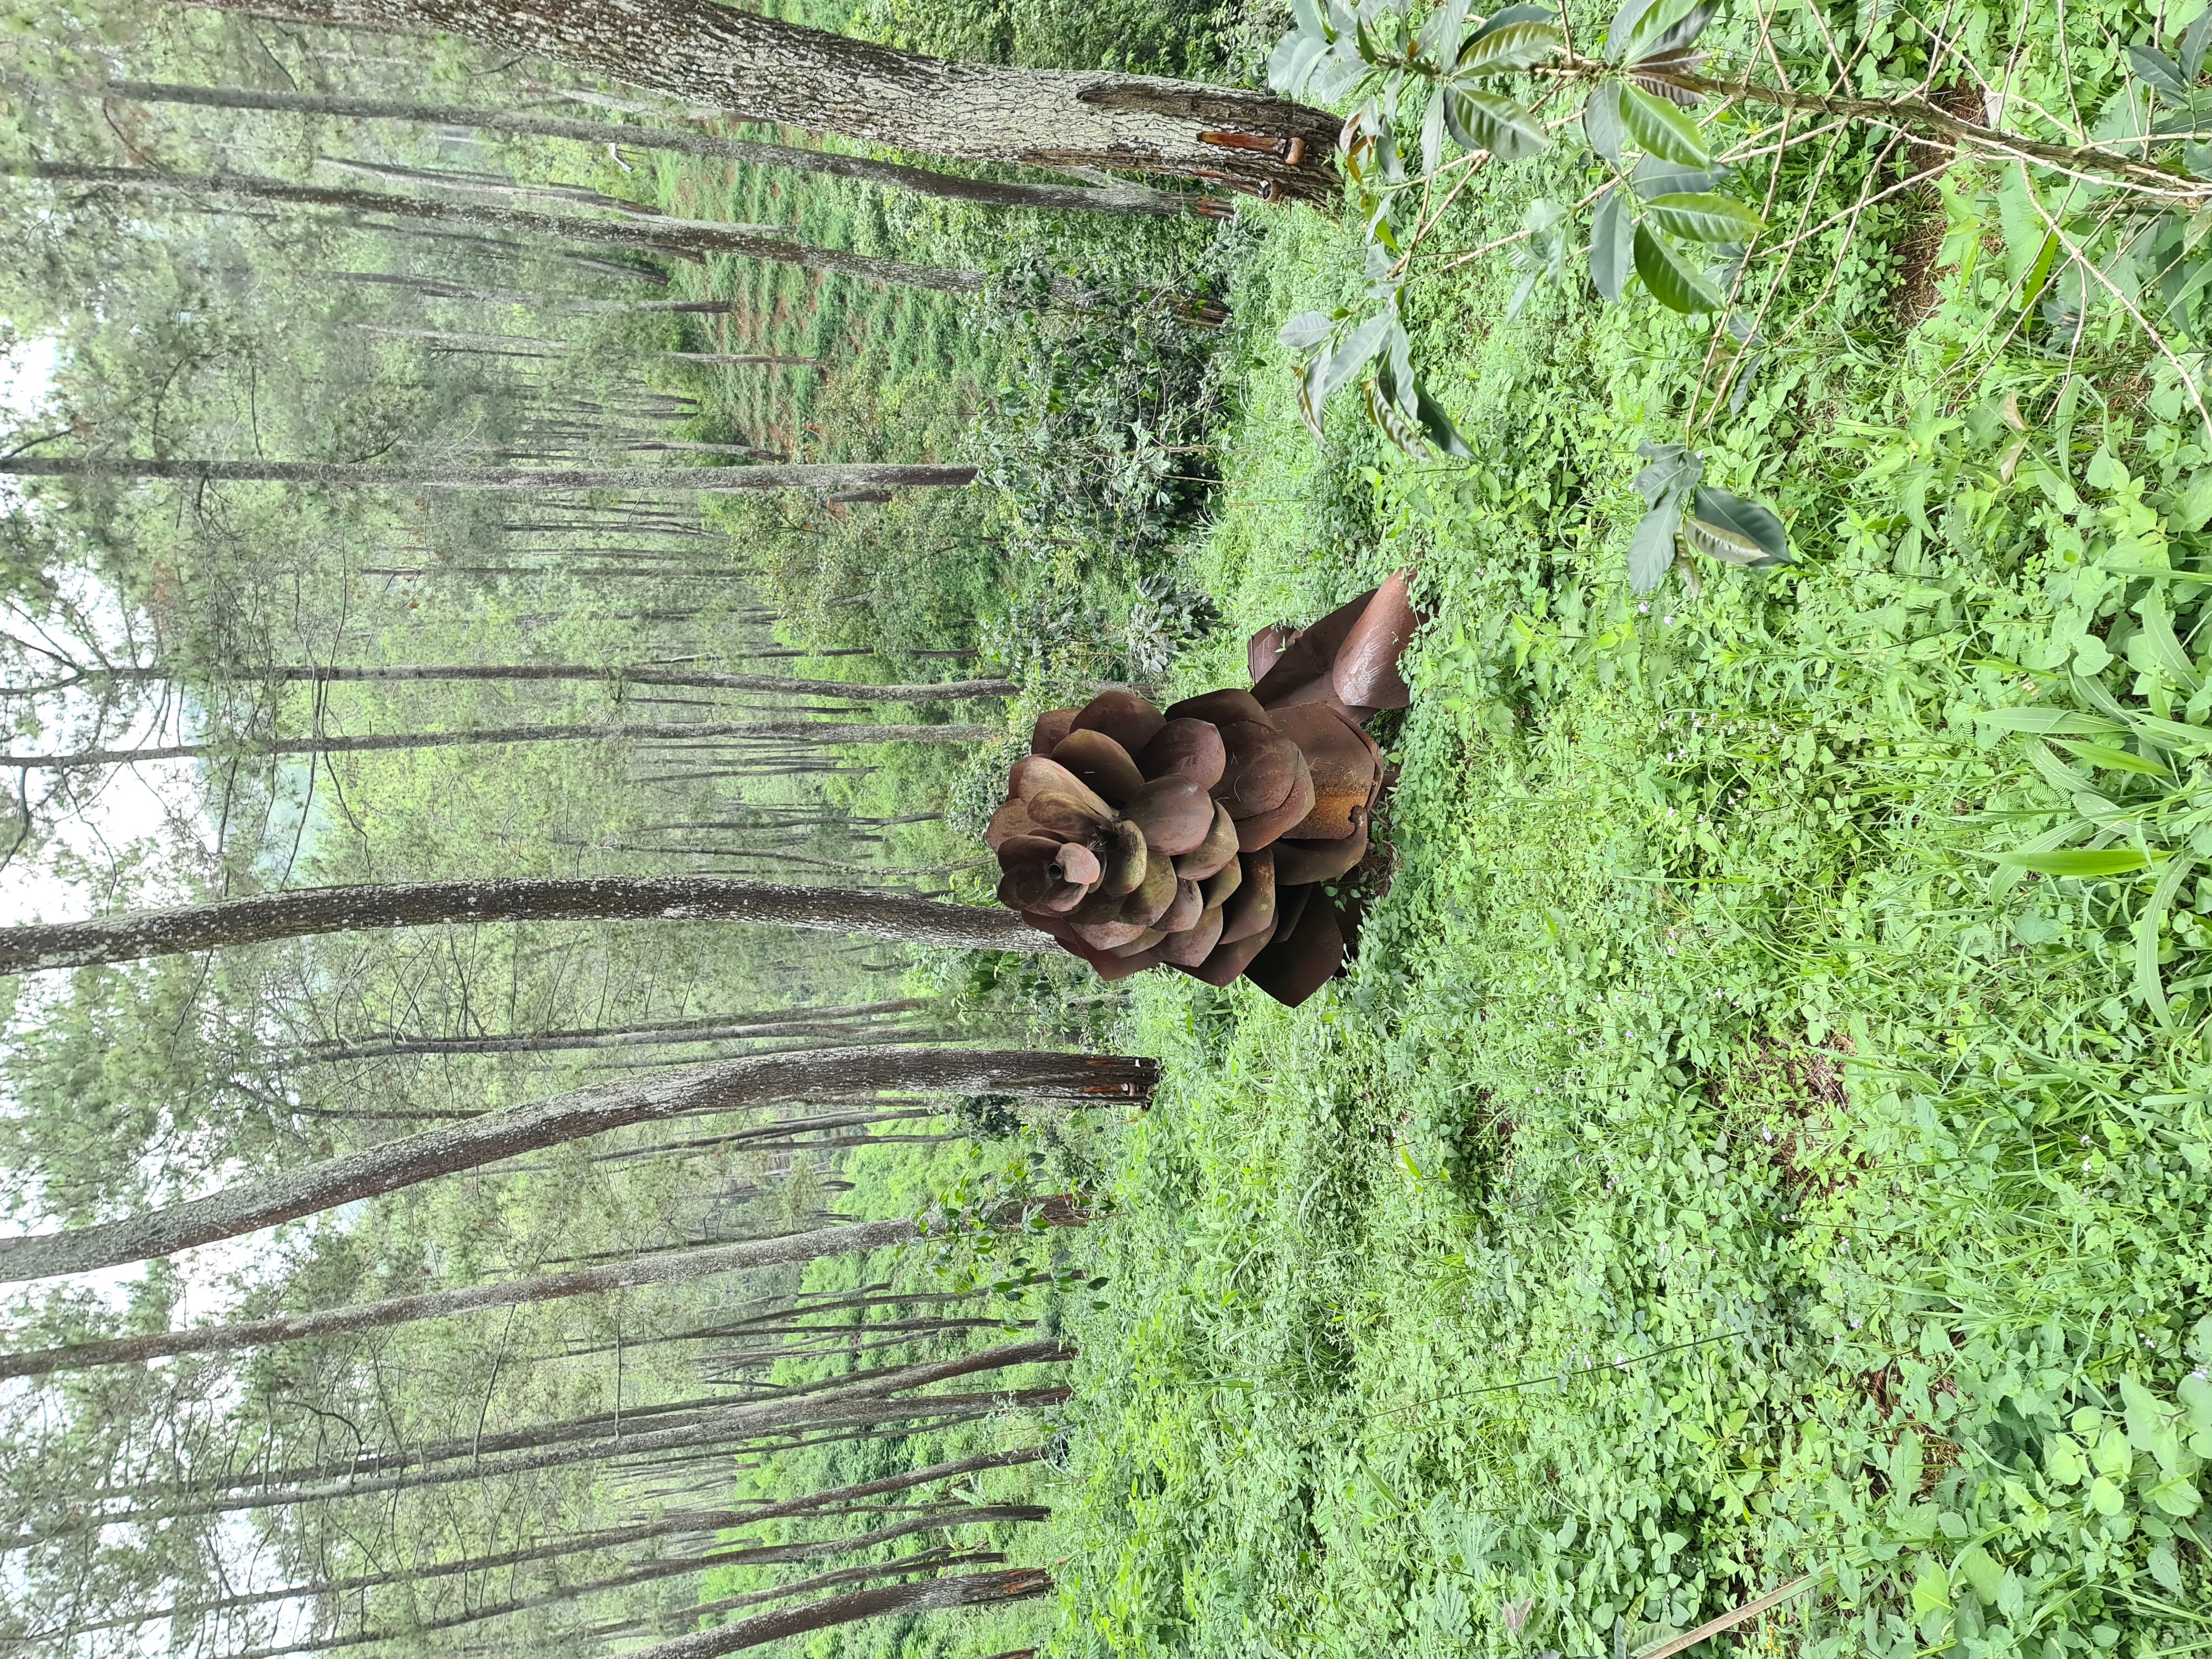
[{"x": 1198, "y": 837}]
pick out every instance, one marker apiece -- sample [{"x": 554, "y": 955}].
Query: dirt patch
[
  {"x": 1788, "y": 1097},
  {"x": 1922, "y": 245}
]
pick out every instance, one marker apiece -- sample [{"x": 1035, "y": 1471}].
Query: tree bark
[
  {"x": 674, "y": 1268},
  {"x": 853, "y": 690},
  {"x": 767, "y": 1022},
  {"x": 706, "y": 480},
  {"x": 789, "y": 730},
  {"x": 729, "y": 1086},
  {"x": 970, "y": 1590},
  {"x": 639, "y": 231},
  {"x": 768, "y": 70},
  {"x": 1116, "y": 197},
  {"x": 307, "y": 911}
]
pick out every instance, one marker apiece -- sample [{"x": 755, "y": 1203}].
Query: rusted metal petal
[
  {"x": 1366, "y": 669},
  {"x": 1258, "y": 832},
  {"x": 1123, "y": 856},
  {"x": 1010, "y": 820},
  {"x": 1230, "y": 957},
  {"x": 1299, "y": 861},
  {"x": 1302, "y": 957},
  {"x": 1121, "y": 715},
  {"x": 1063, "y": 817},
  {"x": 1290, "y": 905},
  {"x": 1251, "y": 909},
  {"x": 1144, "y": 941},
  {"x": 1220, "y": 886},
  {"x": 1191, "y": 948},
  {"x": 1028, "y": 853},
  {"x": 1192, "y": 748},
  {"x": 1347, "y": 769},
  {"x": 1063, "y": 897},
  {"x": 1101, "y": 762},
  {"x": 1034, "y": 773},
  {"x": 1309, "y": 658},
  {"x": 1175, "y": 814},
  {"x": 1218, "y": 850},
  {"x": 1265, "y": 649},
  {"x": 1039, "y": 887},
  {"x": 1107, "y": 936},
  {"x": 1184, "y": 912},
  {"x": 1150, "y": 902},
  {"x": 1078, "y": 863},
  {"x": 1052, "y": 725},
  {"x": 1218, "y": 708},
  {"x": 1262, "y": 768}
]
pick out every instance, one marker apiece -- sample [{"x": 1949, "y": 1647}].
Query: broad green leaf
[
  {"x": 1601, "y": 121},
  {"x": 1441, "y": 35},
  {"x": 1304, "y": 331},
  {"x": 1432, "y": 132},
  {"x": 1654, "y": 39},
  {"x": 1653, "y": 178},
  {"x": 2063, "y": 1460},
  {"x": 1671, "y": 467},
  {"x": 2105, "y": 1498},
  {"x": 2153, "y": 1426},
  {"x": 2194, "y": 39},
  {"x": 2146, "y": 1415},
  {"x": 1704, "y": 217},
  {"x": 2196, "y": 1394},
  {"x": 2112, "y": 861},
  {"x": 1672, "y": 283},
  {"x": 1727, "y": 527},
  {"x": 1662, "y": 129},
  {"x": 1623, "y": 27},
  {"x": 1982, "y": 1571},
  {"x": 1291, "y": 64},
  {"x": 1439, "y": 425},
  {"x": 2177, "y": 1495},
  {"x": 2115, "y": 760},
  {"x": 2046, "y": 721},
  {"x": 1482, "y": 120},
  {"x": 1651, "y": 550},
  {"x": 1341, "y": 366},
  {"x": 1612, "y": 243},
  {"x": 1932, "y": 1587},
  {"x": 2170, "y": 734},
  {"x": 1311, "y": 18},
  {"x": 1522, "y": 13},
  {"x": 1516, "y": 47},
  {"x": 2158, "y": 72}
]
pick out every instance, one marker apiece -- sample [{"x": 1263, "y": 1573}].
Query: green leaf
[
  {"x": 1439, "y": 425},
  {"x": 2194, "y": 38},
  {"x": 1514, "y": 47},
  {"x": 2105, "y": 1497},
  {"x": 2177, "y": 1495},
  {"x": 1982, "y": 1571},
  {"x": 1386, "y": 414},
  {"x": 1704, "y": 217},
  {"x": 1482, "y": 120},
  {"x": 2152, "y": 1424},
  {"x": 1522, "y": 13},
  {"x": 2158, "y": 72},
  {"x": 2196, "y": 1394},
  {"x": 1304, "y": 331},
  {"x": 1432, "y": 132},
  {"x": 1671, "y": 467},
  {"x": 2063, "y": 1460},
  {"x": 1341, "y": 366},
  {"x": 2046, "y": 721},
  {"x": 1672, "y": 283},
  {"x": 1612, "y": 243},
  {"x": 1653, "y": 38},
  {"x": 1291, "y": 65},
  {"x": 2152, "y": 990},
  {"x": 1601, "y": 121},
  {"x": 1727, "y": 527},
  {"x": 2113, "y": 862},
  {"x": 1310, "y": 18},
  {"x": 1651, "y": 550},
  {"x": 1623, "y": 27},
  {"x": 1441, "y": 35},
  {"x": 1662, "y": 129},
  {"x": 1653, "y": 178},
  {"x": 2115, "y": 760},
  {"x": 1309, "y": 410}
]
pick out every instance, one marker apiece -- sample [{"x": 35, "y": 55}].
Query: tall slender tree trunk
[
  {"x": 308, "y": 911},
  {"x": 642, "y": 233},
  {"x": 789, "y": 730},
  {"x": 1113, "y": 198},
  {"x": 342, "y": 674},
  {"x": 673, "y": 1268},
  {"x": 770, "y": 70},
  {"x": 970, "y": 1591},
  {"x": 728, "y": 1086},
  {"x": 347, "y": 475},
  {"x": 768, "y": 1023}
]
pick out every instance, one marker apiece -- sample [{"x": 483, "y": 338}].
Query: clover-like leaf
[
  {"x": 1484, "y": 120},
  {"x": 1726, "y": 527},
  {"x": 1672, "y": 283},
  {"x": 1613, "y": 244},
  {"x": 1703, "y": 216},
  {"x": 1662, "y": 129},
  {"x": 1514, "y": 47}
]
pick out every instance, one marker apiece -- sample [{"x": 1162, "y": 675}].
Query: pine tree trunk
[
  {"x": 788, "y": 731},
  {"x": 640, "y": 231},
  {"x": 768, "y": 70},
  {"x": 853, "y": 690},
  {"x": 730, "y": 1086},
  {"x": 308, "y": 911},
  {"x": 1116, "y": 197},
  {"x": 347, "y": 475},
  {"x": 973, "y": 1590}
]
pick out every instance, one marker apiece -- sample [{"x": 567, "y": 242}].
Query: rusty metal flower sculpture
[{"x": 1199, "y": 836}]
